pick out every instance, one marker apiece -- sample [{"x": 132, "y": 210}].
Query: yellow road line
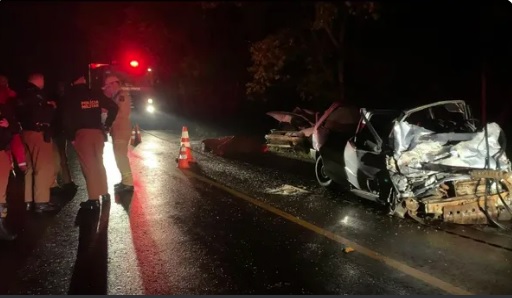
[{"x": 426, "y": 278}]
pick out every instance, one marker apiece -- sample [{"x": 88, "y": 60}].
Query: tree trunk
[{"x": 320, "y": 53}]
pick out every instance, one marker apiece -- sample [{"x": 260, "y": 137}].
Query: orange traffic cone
[
  {"x": 185, "y": 141},
  {"x": 190, "y": 158},
  {"x": 182, "y": 159}
]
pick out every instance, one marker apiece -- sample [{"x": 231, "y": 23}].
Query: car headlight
[
  {"x": 150, "y": 100},
  {"x": 150, "y": 109}
]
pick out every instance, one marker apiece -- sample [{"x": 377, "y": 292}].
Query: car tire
[{"x": 321, "y": 177}]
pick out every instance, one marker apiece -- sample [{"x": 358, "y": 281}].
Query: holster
[{"x": 46, "y": 130}]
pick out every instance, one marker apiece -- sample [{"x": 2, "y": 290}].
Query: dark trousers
[{"x": 60, "y": 158}]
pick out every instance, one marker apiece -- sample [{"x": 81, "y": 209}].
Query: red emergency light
[
  {"x": 97, "y": 65},
  {"x": 134, "y": 63}
]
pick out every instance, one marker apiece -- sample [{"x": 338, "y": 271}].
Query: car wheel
[{"x": 321, "y": 177}]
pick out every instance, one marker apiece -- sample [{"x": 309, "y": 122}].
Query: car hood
[
  {"x": 286, "y": 117},
  {"x": 415, "y": 146}
]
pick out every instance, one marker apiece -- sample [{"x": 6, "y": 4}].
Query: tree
[
  {"x": 333, "y": 20},
  {"x": 269, "y": 57},
  {"x": 310, "y": 53}
]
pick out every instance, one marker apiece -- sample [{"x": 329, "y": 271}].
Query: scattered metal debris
[
  {"x": 287, "y": 190},
  {"x": 348, "y": 249},
  {"x": 232, "y": 145}
]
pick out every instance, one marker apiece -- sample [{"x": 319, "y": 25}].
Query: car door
[
  {"x": 331, "y": 135},
  {"x": 363, "y": 154}
]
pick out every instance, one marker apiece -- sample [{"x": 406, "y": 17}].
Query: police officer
[
  {"x": 7, "y": 96},
  {"x": 8, "y": 128},
  {"x": 82, "y": 126},
  {"x": 36, "y": 113},
  {"x": 121, "y": 131},
  {"x": 60, "y": 147}
]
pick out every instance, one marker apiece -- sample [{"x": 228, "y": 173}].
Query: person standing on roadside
[
  {"x": 36, "y": 113},
  {"x": 81, "y": 112},
  {"x": 16, "y": 147},
  {"x": 121, "y": 131},
  {"x": 60, "y": 148},
  {"x": 8, "y": 128}
]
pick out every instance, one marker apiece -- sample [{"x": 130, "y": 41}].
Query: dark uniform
[
  {"x": 7, "y": 118},
  {"x": 36, "y": 114},
  {"x": 83, "y": 127},
  {"x": 60, "y": 148}
]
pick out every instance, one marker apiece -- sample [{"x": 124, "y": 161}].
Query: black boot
[
  {"x": 56, "y": 190},
  {"x": 90, "y": 204},
  {"x": 4, "y": 233},
  {"x": 71, "y": 186},
  {"x": 45, "y": 207},
  {"x": 123, "y": 188}
]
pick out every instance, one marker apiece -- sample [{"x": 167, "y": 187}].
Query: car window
[
  {"x": 419, "y": 118},
  {"x": 448, "y": 112},
  {"x": 342, "y": 119},
  {"x": 382, "y": 123},
  {"x": 443, "y": 118}
]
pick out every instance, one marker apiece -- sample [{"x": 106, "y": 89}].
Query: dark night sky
[
  {"x": 38, "y": 37},
  {"x": 417, "y": 49}
]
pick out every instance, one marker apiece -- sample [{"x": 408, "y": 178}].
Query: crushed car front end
[{"x": 444, "y": 167}]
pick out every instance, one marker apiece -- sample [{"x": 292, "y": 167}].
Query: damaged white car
[{"x": 432, "y": 161}]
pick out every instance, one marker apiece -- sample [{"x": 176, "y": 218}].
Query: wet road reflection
[
  {"x": 179, "y": 235},
  {"x": 90, "y": 270}
]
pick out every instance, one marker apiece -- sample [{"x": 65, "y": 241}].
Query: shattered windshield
[{"x": 449, "y": 117}]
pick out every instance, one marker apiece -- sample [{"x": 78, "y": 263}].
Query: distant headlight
[
  {"x": 150, "y": 109},
  {"x": 150, "y": 100}
]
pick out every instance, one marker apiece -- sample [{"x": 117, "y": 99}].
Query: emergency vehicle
[{"x": 139, "y": 81}]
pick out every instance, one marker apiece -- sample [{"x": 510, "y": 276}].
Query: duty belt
[{"x": 38, "y": 127}]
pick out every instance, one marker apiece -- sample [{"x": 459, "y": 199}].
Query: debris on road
[
  {"x": 232, "y": 145},
  {"x": 287, "y": 190},
  {"x": 348, "y": 249}
]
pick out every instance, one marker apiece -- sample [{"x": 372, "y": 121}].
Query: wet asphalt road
[{"x": 181, "y": 235}]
